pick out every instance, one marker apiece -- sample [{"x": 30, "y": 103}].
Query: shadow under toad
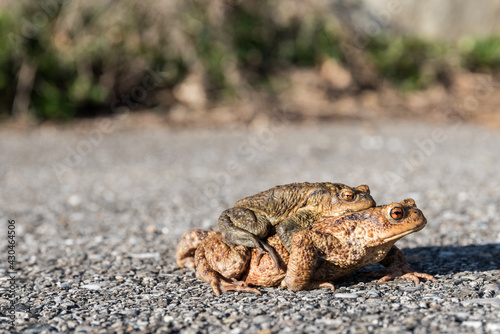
[{"x": 445, "y": 260}]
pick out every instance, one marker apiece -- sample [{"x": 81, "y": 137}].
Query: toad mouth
[{"x": 402, "y": 234}]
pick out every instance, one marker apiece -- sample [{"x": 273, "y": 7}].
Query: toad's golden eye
[
  {"x": 348, "y": 195},
  {"x": 397, "y": 213}
]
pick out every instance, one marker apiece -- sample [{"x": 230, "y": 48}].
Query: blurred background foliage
[{"x": 61, "y": 59}]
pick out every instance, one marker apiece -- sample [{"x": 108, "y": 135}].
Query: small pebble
[
  {"x": 346, "y": 295},
  {"x": 91, "y": 286},
  {"x": 473, "y": 324}
]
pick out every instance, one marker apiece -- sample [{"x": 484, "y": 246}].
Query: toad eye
[
  {"x": 397, "y": 213},
  {"x": 348, "y": 195}
]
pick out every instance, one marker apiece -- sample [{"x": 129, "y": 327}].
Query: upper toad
[{"x": 287, "y": 209}]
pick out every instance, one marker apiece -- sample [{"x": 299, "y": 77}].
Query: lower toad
[{"x": 334, "y": 248}]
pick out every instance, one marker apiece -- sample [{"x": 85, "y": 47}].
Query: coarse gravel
[{"x": 98, "y": 213}]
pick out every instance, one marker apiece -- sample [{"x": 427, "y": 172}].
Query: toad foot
[
  {"x": 221, "y": 286},
  {"x": 406, "y": 273}
]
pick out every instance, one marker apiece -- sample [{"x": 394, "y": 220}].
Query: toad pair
[{"x": 302, "y": 236}]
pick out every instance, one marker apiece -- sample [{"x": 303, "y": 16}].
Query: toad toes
[
  {"x": 333, "y": 248},
  {"x": 287, "y": 209}
]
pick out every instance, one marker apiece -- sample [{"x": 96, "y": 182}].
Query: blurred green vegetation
[
  {"x": 7, "y": 68},
  {"x": 408, "y": 62},
  {"x": 481, "y": 54},
  {"x": 92, "y": 57}
]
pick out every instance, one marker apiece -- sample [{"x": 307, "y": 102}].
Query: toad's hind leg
[
  {"x": 187, "y": 247},
  {"x": 241, "y": 226},
  {"x": 206, "y": 273}
]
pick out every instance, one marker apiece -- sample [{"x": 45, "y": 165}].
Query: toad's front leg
[
  {"x": 302, "y": 264},
  {"x": 302, "y": 220},
  {"x": 397, "y": 266}
]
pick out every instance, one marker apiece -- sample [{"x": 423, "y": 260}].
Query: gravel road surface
[{"x": 98, "y": 213}]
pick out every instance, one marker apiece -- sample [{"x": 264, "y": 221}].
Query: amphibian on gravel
[
  {"x": 287, "y": 209},
  {"x": 331, "y": 249}
]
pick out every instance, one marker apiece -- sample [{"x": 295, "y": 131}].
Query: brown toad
[
  {"x": 287, "y": 209},
  {"x": 333, "y": 248}
]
